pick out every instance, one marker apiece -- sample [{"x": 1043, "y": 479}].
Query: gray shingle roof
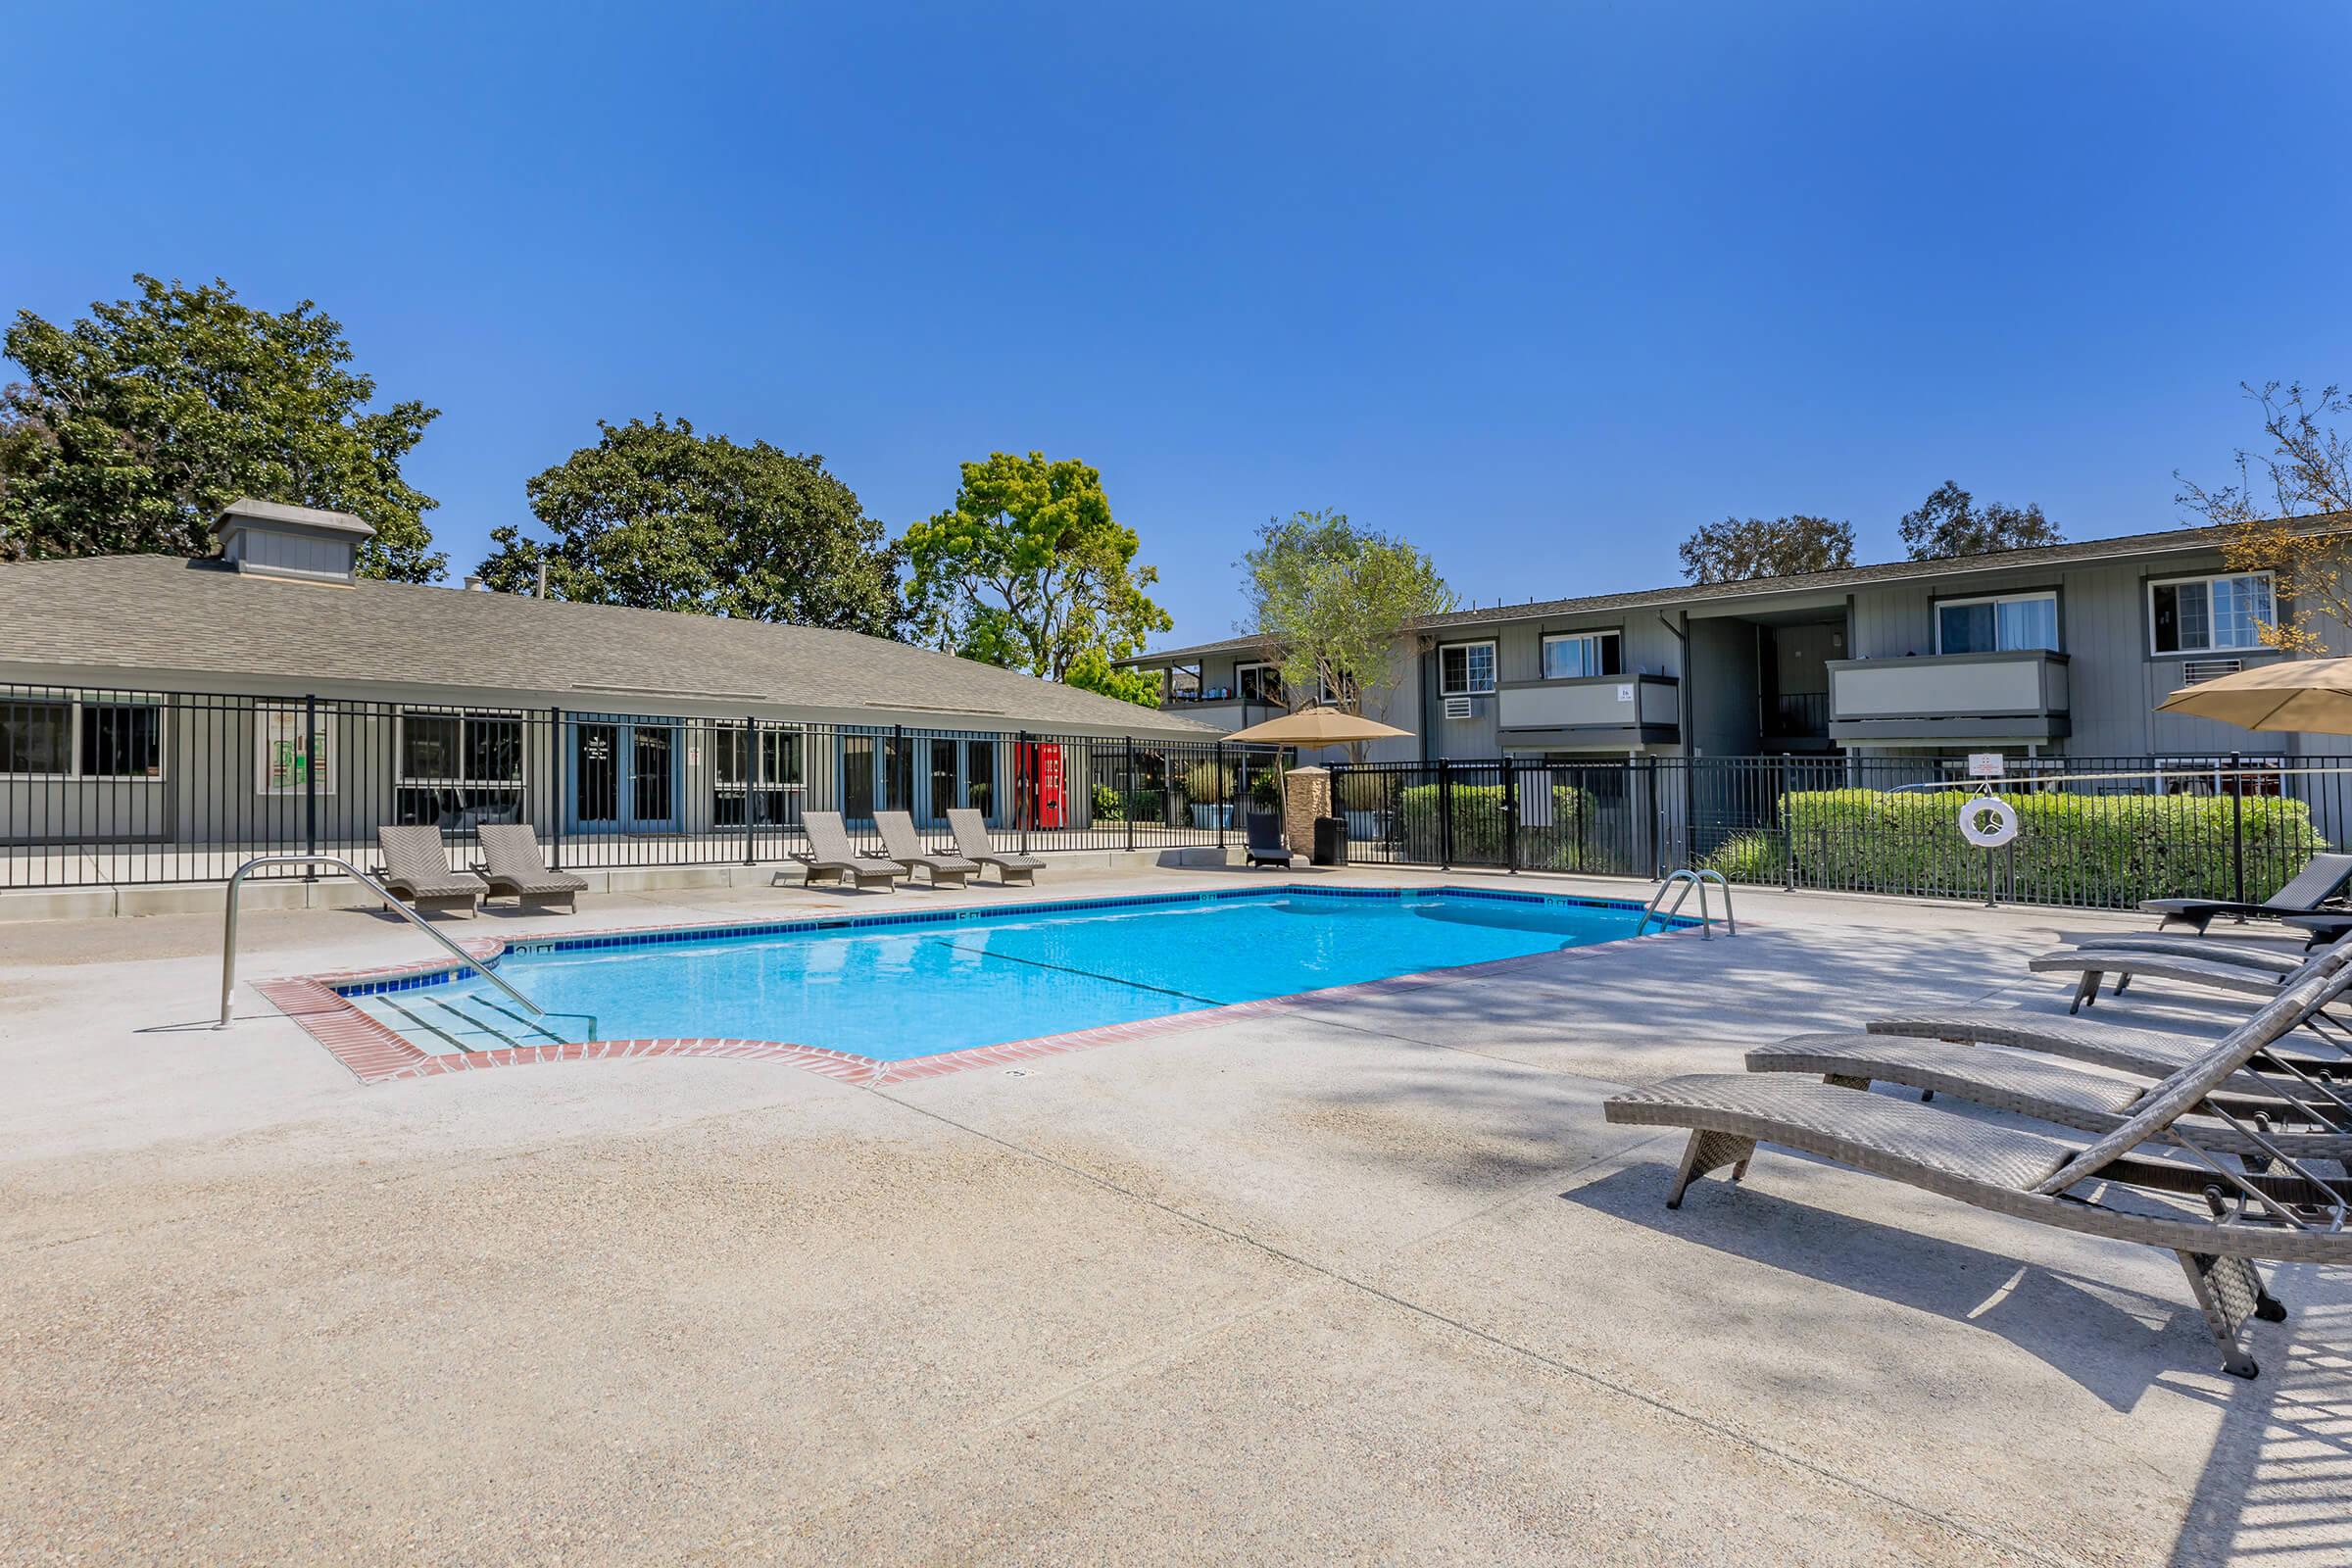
[
  {"x": 2170, "y": 541},
  {"x": 158, "y": 614},
  {"x": 308, "y": 516}
]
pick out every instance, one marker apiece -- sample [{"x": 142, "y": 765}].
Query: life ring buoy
[{"x": 1988, "y": 835}]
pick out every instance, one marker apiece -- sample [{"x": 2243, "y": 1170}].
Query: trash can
[{"x": 1331, "y": 841}]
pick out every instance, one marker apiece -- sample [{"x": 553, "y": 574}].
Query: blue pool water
[{"x": 896, "y": 987}]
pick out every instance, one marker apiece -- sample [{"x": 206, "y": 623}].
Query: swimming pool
[{"x": 891, "y": 987}]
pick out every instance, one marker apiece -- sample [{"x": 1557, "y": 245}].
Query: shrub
[
  {"x": 1478, "y": 826},
  {"x": 2098, "y": 850},
  {"x": 1266, "y": 790},
  {"x": 1110, "y": 805},
  {"x": 1207, "y": 783},
  {"x": 1362, "y": 792}
]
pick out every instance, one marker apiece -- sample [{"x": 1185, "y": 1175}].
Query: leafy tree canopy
[
  {"x": 1092, "y": 671},
  {"x": 1949, "y": 523},
  {"x": 134, "y": 426},
  {"x": 657, "y": 516},
  {"x": 1330, "y": 600},
  {"x": 1737, "y": 548},
  {"x": 2302, "y": 476},
  {"x": 1028, "y": 568}
]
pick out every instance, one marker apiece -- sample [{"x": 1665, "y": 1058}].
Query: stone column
[{"x": 1305, "y": 796}]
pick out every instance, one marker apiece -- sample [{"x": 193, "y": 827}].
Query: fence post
[
  {"x": 1656, "y": 816},
  {"x": 555, "y": 771},
  {"x": 310, "y": 752},
  {"x": 1787, "y": 834},
  {"x": 751, "y": 777},
  {"x": 1024, "y": 777},
  {"x": 1129, "y": 789},
  {"x": 1223, "y": 809},
  {"x": 1510, "y": 816},
  {"x": 2237, "y": 829},
  {"x": 1444, "y": 814}
]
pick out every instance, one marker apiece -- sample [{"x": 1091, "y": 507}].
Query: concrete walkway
[{"x": 1370, "y": 1281}]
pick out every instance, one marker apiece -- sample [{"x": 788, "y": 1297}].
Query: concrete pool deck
[{"x": 1361, "y": 1280}]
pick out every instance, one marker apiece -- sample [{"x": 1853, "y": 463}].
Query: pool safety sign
[
  {"x": 1986, "y": 764},
  {"x": 288, "y": 761}
]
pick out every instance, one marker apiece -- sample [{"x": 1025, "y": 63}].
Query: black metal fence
[
  {"x": 121, "y": 787},
  {"x": 2090, "y": 832}
]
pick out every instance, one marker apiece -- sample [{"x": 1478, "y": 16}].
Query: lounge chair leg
[
  {"x": 2086, "y": 993},
  {"x": 1706, "y": 1152},
  {"x": 2229, "y": 1290},
  {"x": 2120, "y": 981}
]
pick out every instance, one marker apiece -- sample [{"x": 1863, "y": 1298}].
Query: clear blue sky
[{"x": 1540, "y": 287}]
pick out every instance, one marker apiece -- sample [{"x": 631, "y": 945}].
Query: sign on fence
[
  {"x": 1985, "y": 765},
  {"x": 287, "y": 759}
]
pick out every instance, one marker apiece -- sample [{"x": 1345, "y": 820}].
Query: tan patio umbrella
[
  {"x": 2302, "y": 693},
  {"x": 1316, "y": 726}
]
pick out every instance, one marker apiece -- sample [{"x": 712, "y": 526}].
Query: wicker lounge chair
[
  {"x": 830, "y": 854},
  {"x": 972, "y": 843},
  {"x": 513, "y": 865},
  {"x": 416, "y": 870},
  {"x": 904, "y": 844},
  {"x": 2286, "y": 1214},
  {"x": 2318, "y": 882},
  {"x": 2124, "y": 1048},
  {"x": 2093, "y": 964},
  {"x": 1265, "y": 841}
]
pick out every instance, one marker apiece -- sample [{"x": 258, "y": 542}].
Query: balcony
[
  {"x": 2016, "y": 697},
  {"x": 1222, "y": 708},
  {"x": 1591, "y": 712}
]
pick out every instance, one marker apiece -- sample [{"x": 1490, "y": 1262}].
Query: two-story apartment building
[{"x": 2059, "y": 651}]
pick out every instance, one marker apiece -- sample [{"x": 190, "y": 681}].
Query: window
[
  {"x": 771, "y": 796},
  {"x": 1184, "y": 683},
  {"x": 1465, "y": 669},
  {"x": 458, "y": 769},
  {"x": 1580, "y": 654},
  {"x": 71, "y": 738},
  {"x": 858, "y": 777},
  {"x": 36, "y": 738},
  {"x": 2210, "y": 614},
  {"x": 1258, "y": 683},
  {"x": 2009, "y": 623}
]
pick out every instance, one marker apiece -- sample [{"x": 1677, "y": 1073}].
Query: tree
[
  {"x": 137, "y": 424},
  {"x": 657, "y": 516},
  {"x": 1028, "y": 569},
  {"x": 2307, "y": 472},
  {"x": 1092, "y": 671},
  {"x": 1329, "y": 601},
  {"x": 1948, "y": 523},
  {"x": 1737, "y": 548}
]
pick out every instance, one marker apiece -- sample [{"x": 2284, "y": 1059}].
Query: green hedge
[
  {"x": 2110, "y": 849},
  {"x": 1478, "y": 825}
]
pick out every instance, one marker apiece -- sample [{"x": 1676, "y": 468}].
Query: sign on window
[{"x": 287, "y": 759}]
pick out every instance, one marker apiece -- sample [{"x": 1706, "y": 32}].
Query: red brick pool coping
[{"x": 374, "y": 1054}]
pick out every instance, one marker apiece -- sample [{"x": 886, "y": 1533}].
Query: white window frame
[
  {"x": 1543, "y": 650},
  {"x": 1492, "y": 672},
  {"x": 401, "y": 779},
  {"x": 2051, "y": 594},
  {"x": 1239, "y": 695},
  {"x": 73, "y": 705},
  {"x": 2209, "y": 578}
]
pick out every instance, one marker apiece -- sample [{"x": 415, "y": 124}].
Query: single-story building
[{"x": 269, "y": 698}]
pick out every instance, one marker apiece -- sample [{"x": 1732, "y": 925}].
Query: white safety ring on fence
[{"x": 1988, "y": 835}]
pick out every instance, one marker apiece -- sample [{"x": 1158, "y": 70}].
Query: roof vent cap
[{"x": 272, "y": 539}]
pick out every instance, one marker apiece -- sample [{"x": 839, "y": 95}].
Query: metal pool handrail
[
  {"x": 1688, "y": 879},
  {"x": 228, "y": 935}
]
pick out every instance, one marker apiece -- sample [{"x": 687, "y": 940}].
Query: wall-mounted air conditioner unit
[
  {"x": 2198, "y": 671},
  {"x": 1461, "y": 707}
]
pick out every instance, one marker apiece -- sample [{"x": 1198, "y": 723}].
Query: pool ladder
[
  {"x": 1685, "y": 880},
  {"x": 228, "y": 951}
]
